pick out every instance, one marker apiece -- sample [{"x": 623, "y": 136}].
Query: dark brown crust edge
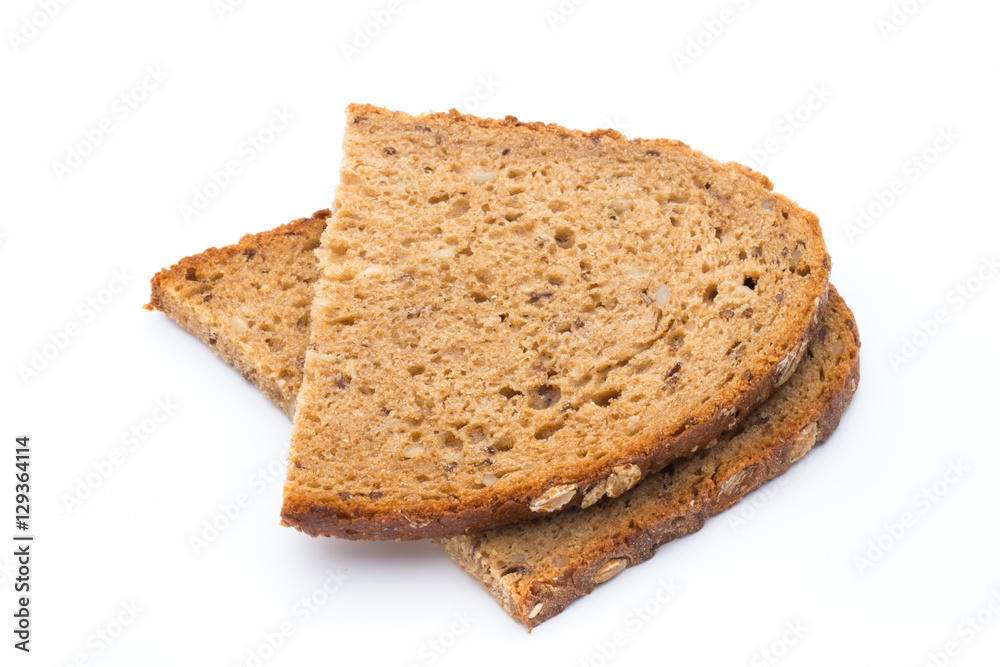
[
  {"x": 161, "y": 298},
  {"x": 363, "y": 523},
  {"x": 771, "y": 461}
]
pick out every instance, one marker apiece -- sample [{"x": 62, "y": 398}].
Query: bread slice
[
  {"x": 523, "y": 566},
  {"x": 250, "y": 303},
  {"x": 523, "y": 319}
]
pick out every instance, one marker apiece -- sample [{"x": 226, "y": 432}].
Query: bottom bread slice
[
  {"x": 534, "y": 570},
  {"x": 250, "y": 303}
]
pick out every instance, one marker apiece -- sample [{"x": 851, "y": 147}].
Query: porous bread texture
[
  {"x": 534, "y": 570},
  {"x": 772, "y": 437},
  {"x": 254, "y": 318},
  {"x": 515, "y": 319}
]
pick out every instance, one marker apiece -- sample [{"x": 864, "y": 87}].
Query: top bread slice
[
  {"x": 513, "y": 319},
  {"x": 534, "y": 569}
]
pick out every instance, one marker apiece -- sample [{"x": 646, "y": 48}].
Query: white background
[{"x": 794, "y": 556}]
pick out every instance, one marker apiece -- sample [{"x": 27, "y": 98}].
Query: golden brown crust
[
  {"x": 360, "y": 518},
  {"x": 682, "y": 511}
]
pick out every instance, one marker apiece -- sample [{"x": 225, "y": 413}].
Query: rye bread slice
[
  {"x": 523, "y": 319},
  {"x": 522, "y": 566}
]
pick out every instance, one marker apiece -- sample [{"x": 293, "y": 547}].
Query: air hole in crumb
[
  {"x": 477, "y": 434},
  {"x": 479, "y": 297},
  {"x": 503, "y": 443},
  {"x": 459, "y": 207},
  {"x": 565, "y": 237},
  {"x": 415, "y": 369},
  {"x": 605, "y": 397},
  {"x": 191, "y": 274},
  {"x": 711, "y": 293},
  {"x": 803, "y": 270},
  {"x": 750, "y": 282},
  {"x": 438, "y": 198},
  {"x": 546, "y": 431},
  {"x": 718, "y": 233},
  {"x": 743, "y": 254},
  {"x": 509, "y": 392},
  {"x": 545, "y": 396}
]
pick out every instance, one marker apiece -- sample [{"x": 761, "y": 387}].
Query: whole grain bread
[
  {"x": 250, "y": 303},
  {"x": 552, "y": 561},
  {"x": 525, "y": 319}
]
